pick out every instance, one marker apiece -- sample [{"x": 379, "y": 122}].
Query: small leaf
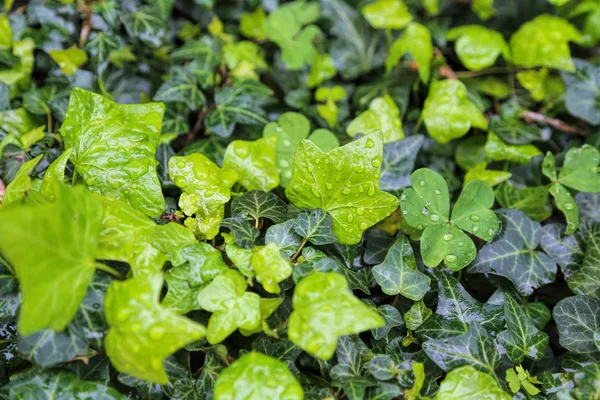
[
  {"x": 257, "y": 376},
  {"x": 416, "y": 41},
  {"x": 252, "y": 25},
  {"x": 497, "y": 150},
  {"x": 398, "y": 274},
  {"x": 181, "y": 87},
  {"x": 270, "y": 267},
  {"x": 478, "y": 47},
  {"x": 532, "y": 200},
  {"x": 118, "y": 161},
  {"x": 69, "y": 60},
  {"x": 21, "y": 183},
  {"x": 254, "y": 162},
  {"x": 258, "y": 204},
  {"x": 143, "y": 333},
  {"x": 577, "y": 319},
  {"x": 383, "y": 115},
  {"x": 244, "y": 233},
  {"x": 416, "y": 315},
  {"x": 206, "y": 189},
  {"x": 231, "y": 306},
  {"x": 580, "y": 169},
  {"x": 521, "y": 339},
  {"x": 583, "y": 85},
  {"x": 285, "y": 237},
  {"x": 343, "y": 182},
  {"x": 326, "y": 297},
  {"x": 448, "y": 113},
  {"x": 398, "y": 162},
  {"x": 387, "y": 14},
  {"x": 489, "y": 176},
  {"x": 316, "y": 226}
]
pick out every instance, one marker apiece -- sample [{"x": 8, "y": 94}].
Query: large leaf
[
  {"x": 387, "y": 14},
  {"x": 257, "y": 376},
  {"x": 254, "y": 162},
  {"x": 383, "y": 115},
  {"x": 582, "y": 91},
  {"x": 52, "y": 248},
  {"x": 448, "y": 113},
  {"x": 513, "y": 253},
  {"x": 456, "y": 310},
  {"x": 399, "y": 274},
  {"x": 467, "y": 383},
  {"x": 113, "y": 148},
  {"x": 578, "y": 319},
  {"x": 478, "y": 47},
  {"x": 258, "y": 204},
  {"x": 143, "y": 333},
  {"x": 324, "y": 310},
  {"x": 343, "y": 182}
]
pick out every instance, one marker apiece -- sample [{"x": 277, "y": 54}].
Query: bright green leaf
[
  {"x": 254, "y": 162},
  {"x": 416, "y": 41},
  {"x": 478, "y": 47},
  {"x": 383, "y": 115},
  {"x": 270, "y": 267},
  {"x": 387, "y": 14},
  {"x": 69, "y": 60},
  {"x": 467, "y": 383}
]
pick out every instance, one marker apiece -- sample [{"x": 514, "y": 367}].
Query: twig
[
  {"x": 87, "y": 24},
  {"x": 110, "y": 270},
  {"x": 297, "y": 253},
  {"x": 490, "y": 71},
  {"x": 531, "y": 116},
  {"x": 447, "y": 72}
]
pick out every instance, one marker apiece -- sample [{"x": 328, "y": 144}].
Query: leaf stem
[
  {"x": 74, "y": 179},
  {"x": 107, "y": 269},
  {"x": 297, "y": 253},
  {"x": 49, "y": 121}
]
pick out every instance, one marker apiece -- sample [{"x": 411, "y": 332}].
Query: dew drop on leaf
[
  {"x": 370, "y": 143},
  {"x": 451, "y": 258},
  {"x": 350, "y": 217},
  {"x": 448, "y": 236},
  {"x": 474, "y": 218},
  {"x": 569, "y": 206},
  {"x": 421, "y": 183},
  {"x": 434, "y": 217},
  {"x": 346, "y": 191}
]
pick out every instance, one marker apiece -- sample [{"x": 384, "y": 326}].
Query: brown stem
[
  {"x": 297, "y": 253},
  {"x": 531, "y": 116},
  {"x": 87, "y": 24}
]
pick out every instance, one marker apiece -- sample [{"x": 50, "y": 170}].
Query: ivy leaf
[
  {"x": 252, "y": 25},
  {"x": 255, "y": 375},
  {"x": 398, "y": 274},
  {"x": 383, "y": 115},
  {"x": 258, "y": 204},
  {"x": 143, "y": 333},
  {"x": 242, "y": 103},
  {"x": 343, "y": 182},
  {"x": 398, "y": 162},
  {"x": 291, "y": 128},
  {"x": 467, "y": 383},
  {"x": 416, "y": 315},
  {"x": 21, "y": 183},
  {"x": 284, "y": 26},
  {"x": 145, "y": 25},
  {"x": 285, "y": 237},
  {"x": 448, "y": 113},
  {"x": 521, "y": 339},
  {"x": 544, "y": 42},
  {"x": 270, "y": 267},
  {"x": 231, "y": 306},
  {"x": 244, "y": 233},
  {"x": 497, "y": 150},
  {"x": 577, "y": 319},
  {"x": 206, "y": 189},
  {"x": 315, "y": 226},
  {"x": 580, "y": 169},
  {"x": 47, "y": 348},
  {"x": 127, "y": 168},
  {"x": 69, "y": 60},
  {"x": 583, "y": 85},
  {"x": 532, "y": 200},
  {"x": 513, "y": 254},
  {"x": 582, "y": 278},
  {"x": 478, "y": 47},
  {"x": 426, "y": 206},
  {"x": 254, "y": 162},
  {"x": 489, "y": 176},
  {"x": 416, "y": 41},
  {"x": 475, "y": 347},
  {"x": 181, "y": 87},
  {"x": 325, "y": 297},
  {"x": 387, "y": 14},
  {"x": 456, "y": 309},
  {"x": 393, "y": 319},
  {"x": 71, "y": 224}
]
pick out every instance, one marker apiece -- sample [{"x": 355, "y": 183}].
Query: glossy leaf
[
  {"x": 398, "y": 274},
  {"x": 126, "y": 169},
  {"x": 467, "y": 383},
  {"x": 315, "y": 225},
  {"x": 143, "y": 333},
  {"x": 478, "y": 47},
  {"x": 497, "y": 150},
  {"x": 582, "y": 88},
  {"x": 270, "y": 267},
  {"x": 257, "y": 205},
  {"x": 577, "y": 320},
  {"x": 387, "y": 14},
  {"x": 69, "y": 60},
  {"x": 181, "y": 87},
  {"x": 448, "y": 113},
  {"x": 254, "y": 162},
  {"x": 344, "y": 182},
  {"x": 324, "y": 310},
  {"x": 383, "y": 115},
  {"x": 416, "y": 41}
]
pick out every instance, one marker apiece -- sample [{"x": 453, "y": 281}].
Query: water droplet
[
  {"x": 569, "y": 206},
  {"x": 317, "y": 161},
  {"x": 425, "y": 211},
  {"x": 287, "y": 143},
  {"x": 180, "y": 164},
  {"x": 241, "y": 152},
  {"x": 360, "y": 210},
  {"x": 404, "y": 212},
  {"x": 284, "y": 163},
  {"x": 491, "y": 232},
  {"x": 448, "y": 236},
  {"x": 180, "y": 181},
  {"x": 328, "y": 185},
  {"x": 371, "y": 191},
  {"x": 363, "y": 225},
  {"x": 461, "y": 244},
  {"x": 376, "y": 162},
  {"x": 438, "y": 191},
  {"x": 451, "y": 258},
  {"x": 96, "y": 306},
  {"x": 474, "y": 218},
  {"x": 156, "y": 332},
  {"x": 346, "y": 191},
  {"x": 311, "y": 168},
  {"x": 327, "y": 161},
  {"x": 315, "y": 192},
  {"x": 361, "y": 188},
  {"x": 403, "y": 197},
  {"x": 434, "y": 217},
  {"x": 475, "y": 229},
  {"x": 420, "y": 227},
  {"x": 421, "y": 183},
  {"x": 358, "y": 168},
  {"x": 350, "y": 217},
  {"x": 370, "y": 143}
]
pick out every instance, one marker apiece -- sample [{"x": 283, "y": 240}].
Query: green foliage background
[{"x": 334, "y": 199}]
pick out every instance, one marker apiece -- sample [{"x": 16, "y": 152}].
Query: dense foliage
[{"x": 328, "y": 199}]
